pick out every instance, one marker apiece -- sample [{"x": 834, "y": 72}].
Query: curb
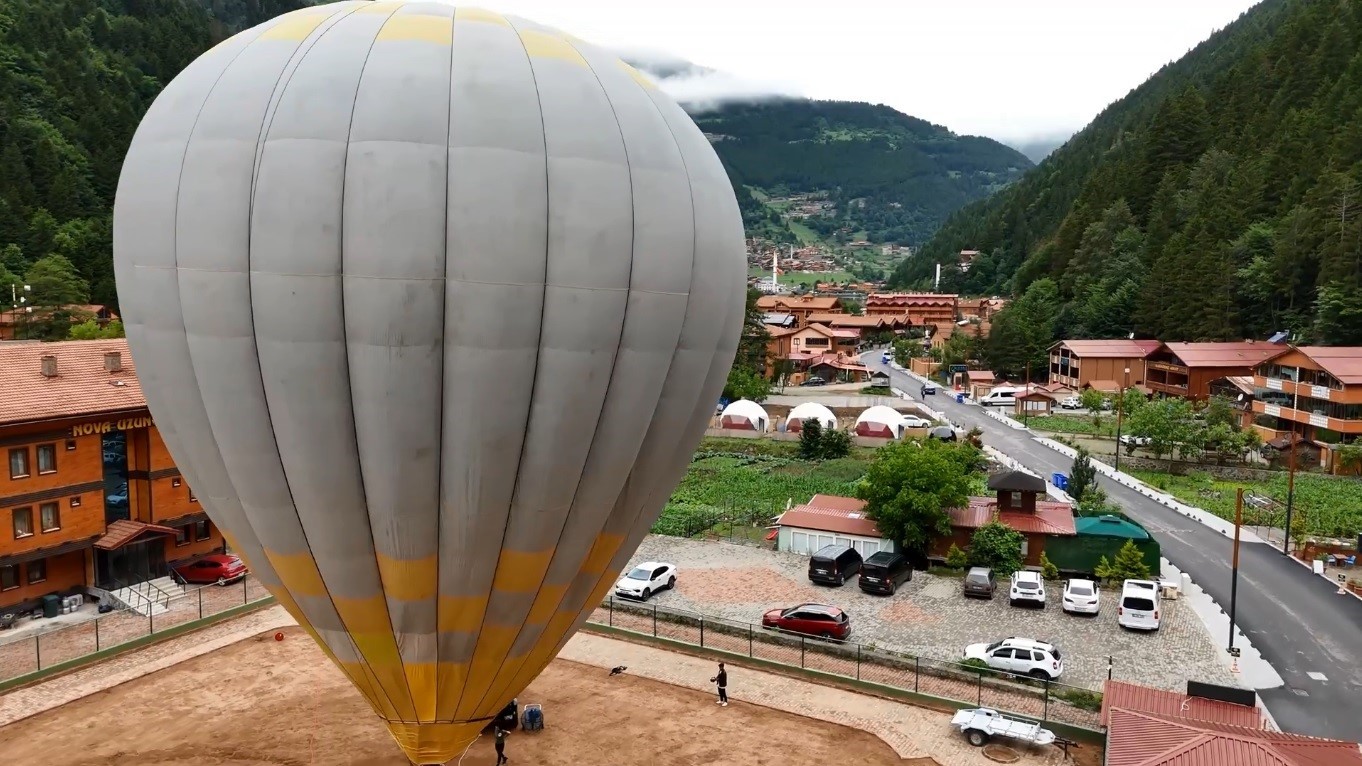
[{"x": 1324, "y": 577}]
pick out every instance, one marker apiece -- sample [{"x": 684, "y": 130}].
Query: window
[
  {"x": 49, "y": 515},
  {"x": 181, "y": 535},
  {"x": 75, "y": 501},
  {"x": 70, "y": 445},
  {"x": 192, "y": 499},
  {"x": 23, "y": 522},
  {"x": 201, "y": 530},
  {"x": 9, "y": 577},
  {"x": 37, "y": 571},
  {"x": 47, "y": 458},
  {"x": 18, "y": 463}
]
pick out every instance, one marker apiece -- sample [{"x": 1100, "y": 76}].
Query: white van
[
  {"x": 1001, "y": 396},
  {"x": 1140, "y": 605}
]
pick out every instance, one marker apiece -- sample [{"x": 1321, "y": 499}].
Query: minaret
[{"x": 775, "y": 270}]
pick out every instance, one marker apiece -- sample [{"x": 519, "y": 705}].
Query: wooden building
[
  {"x": 1017, "y": 503},
  {"x": 1078, "y": 363},
  {"x": 1188, "y": 369},
  {"x": 91, "y": 497},
  {"x": 919, "y": 308},
  {"x": 799, "y": 306},
  {"x": 1314, "y": 392}
]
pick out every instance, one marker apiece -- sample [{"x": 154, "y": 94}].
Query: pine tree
[{"x": 1129, "y": 564}]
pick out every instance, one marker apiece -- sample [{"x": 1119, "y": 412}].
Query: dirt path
[{"x": 267, "y": 703}]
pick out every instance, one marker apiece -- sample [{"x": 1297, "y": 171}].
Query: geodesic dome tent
[
  {"x": 794, "y": 422},
  {"x": 744, "y": 415},
  {"x": 880, "y": 421}
]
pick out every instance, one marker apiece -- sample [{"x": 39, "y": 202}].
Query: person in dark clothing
[
  {"x": 721, "y": 681},
  {"x": 501, "y": 746}
]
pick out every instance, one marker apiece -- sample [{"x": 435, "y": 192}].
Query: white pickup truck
[{"x": 982, "y": 724}]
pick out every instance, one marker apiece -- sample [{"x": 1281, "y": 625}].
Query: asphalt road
[{"x": 1294, "y": 618}]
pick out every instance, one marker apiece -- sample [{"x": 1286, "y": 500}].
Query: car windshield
[
  {"x": 977, "y": 579},
  {"x": 994, "y": 645},
  {"x": 789, "y": 611},
  {"x": 641, "y": 573},
  {"x": 1138, "y": 604},
  {"x": 1026, "y": 585},
  {"x": 1080, "y": 590}
]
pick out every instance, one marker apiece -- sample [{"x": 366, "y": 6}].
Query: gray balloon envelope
[{"x": 431, "y": 306}]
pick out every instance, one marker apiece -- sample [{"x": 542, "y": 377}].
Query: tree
[
  {"x": 1082, "y": 476},
  {"x": 1092, "y": 401},
  {"x": 57, "y": 290},
  {"x": 1128, "y": 565},
  {"x": 810, "y": 434},
  {"x": 753, "y": 344},
  {"x": 1130, "y": 401},
  {"x": 956, "y": 558},
  {"x": 910, "y": 485},
  {"x": 1023, "y": 332},
  {"x": 90, "y": 330},
  {"x": 1167, "y": 423},
  {"x": 1048, "y": 570},
  {"x": 743, "y": 383},
  {"x": 835, "y": 444},
  {"x": 996, "y": 546},
  {"x": 1219, "y": 410}
]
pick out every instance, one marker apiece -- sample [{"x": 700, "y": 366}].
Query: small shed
[
  {"x": 744, "y": 415},
  {"x": 1034, "y": 403},
  {"x": 881, "y": 422},
  {"x": 978, "y": 383},
  {"x": 1099, "y": 536},
  {"x": 794, "y": 422},
  {"x": 880, "y": 379},
  {"x": 830, "y": 520}
]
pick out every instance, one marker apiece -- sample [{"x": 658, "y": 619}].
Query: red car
[
  {"x": 220, "y": 568},
  {"x": 818, "y": 620}
]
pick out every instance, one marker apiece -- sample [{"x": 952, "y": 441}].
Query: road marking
[{"x": 1317, "y": 676}]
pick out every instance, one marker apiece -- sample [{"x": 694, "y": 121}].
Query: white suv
[
  {"x": 1022, "y": 656},
  {"x": 1140, "y": 605},
  {"x": 1027, "y": 587}
]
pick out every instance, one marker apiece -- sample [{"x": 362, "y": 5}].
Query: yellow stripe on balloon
[
  {"x": 602, "y": 551},
  {"x": 639, "y": 77},
  {"x": 369, "y": 627},
  {"x": 298, "y": 573},
  {"x": 544, "y": 45},
  {"x": 480, "y": 15},
  {"x": 418, "y": 27},
  {"x": 546, "y": 604},
  {"x": 298, "y": 25},
  {"x": 494, "y": 644},
  {"x": 409, "y": 579},
  {"x": 434, "y": 742},
  {"x": 461, "y": 614},
  {"x": 521, "y": 571}
]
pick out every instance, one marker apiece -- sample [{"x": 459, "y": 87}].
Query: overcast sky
[{"x": 1010, "y": 69}]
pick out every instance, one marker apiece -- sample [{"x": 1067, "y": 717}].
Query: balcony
[
  {"x": 1180, "y": 369},
  {"x": 1306, "y": 417}
]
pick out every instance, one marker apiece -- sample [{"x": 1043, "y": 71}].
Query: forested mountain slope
[{"x": 1219, "y": 200}]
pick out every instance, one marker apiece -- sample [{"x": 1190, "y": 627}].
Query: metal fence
[
  {"x": 24, "y": 654},
  {"x": 1045, "y": 701}
]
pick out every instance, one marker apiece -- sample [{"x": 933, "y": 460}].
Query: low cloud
[{"x": 701, "y": 88}]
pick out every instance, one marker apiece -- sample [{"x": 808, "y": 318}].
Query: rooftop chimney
[
  {"x": 113, "y": 361},
  {"x": 49, "y": 366}
]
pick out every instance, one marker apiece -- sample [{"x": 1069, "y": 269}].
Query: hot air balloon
[{"x": 431, "y": 306}]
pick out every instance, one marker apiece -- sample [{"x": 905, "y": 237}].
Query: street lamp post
[{"x": 1120, "y": 406}]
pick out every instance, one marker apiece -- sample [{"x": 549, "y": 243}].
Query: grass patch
[
  {"x": 805, "y": 235},
  {"x": 743, "y": 483},
  {"x": 1073, "y": 424},
  {"x": 1330, "y": 506},
  {"x": 877, "y": 391}
]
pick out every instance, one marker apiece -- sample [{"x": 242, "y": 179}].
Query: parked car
[
  {"x": 913, "y": 421},
  {"x": 219, "y": 569},
  {"x": 885, "y": 358},
  {"x": 1027, "y": 588},
  {"x": 1140, "y": 605},
  {"x": 1138, "y": 441},
  {"x": 819, "y": 620},
  {"x": 944, "y": 433},
  {"x": 646, "y": 579},
  {"x": 928, "y": 389},
  {"x": 980, "y": 583},
  {"x": 1071, "y": 403},
  {"x": 834, "y": 564},
  {"x": 1082, "y": 597},
  {"x": 884, "y": 572},
  {"x": 814, "y": 382},
  {"x": 1022, "y": 656}
]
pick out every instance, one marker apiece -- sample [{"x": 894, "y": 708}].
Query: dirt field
[{"x": 268, "y": 703}]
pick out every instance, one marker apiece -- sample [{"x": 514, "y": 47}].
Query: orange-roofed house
[
  {"x": 1078, "y": 363},
  {"x": 1188, "y": 369},
  {"x": 1019, "y": 503},
  {"x": 797, "y": 352},
  {"x": 1155, "y": 727},
  {"x": 1313, "y": 391},
  {"x": 14, "y": 323},
  {"x": 800, "y": 306},
  {"x": 830, "y": 520},
  {"x": 935, "y": 309},
  {"x": 90, "y": 497}
]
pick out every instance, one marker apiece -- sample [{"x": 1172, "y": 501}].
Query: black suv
[{"x": 884, "y": 572}]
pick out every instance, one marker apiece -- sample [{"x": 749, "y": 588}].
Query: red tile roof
[
  {"x": 1343, "y": 362},
  {"x": 1050, "y": 518},
  {"x": 122, "y": 532},
  {"x": 911, "y": 299},
  {"x": 823, "y": 519},
  {"x": 1145, "y": 699},
  {"x": 1111, "y": 349},
  {"x": 1142, "y": 739},
  {"x": 981, "y": 376},
  {"x": 1246, "y": 354},
  {"x": 81, "y": 387},
  {"x": 806, "y": 302}
]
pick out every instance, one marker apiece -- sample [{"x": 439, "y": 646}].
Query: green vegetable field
[{"x": 1329, "y": 507}]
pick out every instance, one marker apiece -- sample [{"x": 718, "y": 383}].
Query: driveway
[
  {"x": 928, "y": 616},
  {"x": 1310, "y": 635}
]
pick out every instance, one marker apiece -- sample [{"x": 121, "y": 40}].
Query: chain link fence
[
  {"x": 21, "y": 655},
  {"x": 1044, "y": 701}
]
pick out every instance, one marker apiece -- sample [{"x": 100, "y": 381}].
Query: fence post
[
  {"x": 151, "y": 622},
  {"x": 1109, "y": 663},
  {"x": 654, "y": 620},
  {"x": 801, "y": 651},
  {"x": 917, "y": 672},
  {"x": 38, "y": 650},
  {"x": 245, "y": 595},
  {"x": 858, "y": 662},
  {"x": 1045, "y": 716},
  {"x": 96, "y": 634},
  {"x": 749, "y": 639},
  {"x": 702, "y": 631},
  {"x": 981, "y": 689},
  {"x": 610, "y": 612},
  {"x": 200, "y": 592}
]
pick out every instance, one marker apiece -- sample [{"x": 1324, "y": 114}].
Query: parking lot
[{"x": 929, "y": 617}]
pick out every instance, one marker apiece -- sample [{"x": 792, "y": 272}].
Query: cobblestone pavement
[
  {"x": 30, "y": 654},
  {"x": 912, "y": 732},
  {"x": 929, "y": 617}
]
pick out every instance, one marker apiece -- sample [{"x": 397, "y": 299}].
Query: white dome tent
[
  {"x": 794, "y": 422},
  {"x": 744, "y": 415},
  {"x": 880, "y": 421}
]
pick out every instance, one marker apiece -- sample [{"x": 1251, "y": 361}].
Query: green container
[
  {"x": 1100, "y": 536},
  {"x": 51, "y": 605}
]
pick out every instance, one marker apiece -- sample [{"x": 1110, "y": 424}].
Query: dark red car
[
  {"x": 220, "y": 568},
  {"x": 819, "y": 620}
]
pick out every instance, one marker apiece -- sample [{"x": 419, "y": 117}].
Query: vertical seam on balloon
[
  {"x": 610, "y": 380},
  {"x": 539, "y": 348},
  {"x": 266, "y": 123},
  {"x": 349, "y": 385}
]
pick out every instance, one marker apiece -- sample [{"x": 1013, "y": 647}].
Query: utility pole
[
  {"x": 1290, "y": 491},
  {"x": 1026, "y": 403},
  {"x": 1234, "y": 566},
  {"x": 1120, "y": 406}
]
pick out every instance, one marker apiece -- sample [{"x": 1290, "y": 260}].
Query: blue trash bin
[
  {"x": 1061, "y": 481},
  {"x": 959, "y": 398}
]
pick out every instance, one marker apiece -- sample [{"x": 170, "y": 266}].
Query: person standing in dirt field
[
  {"x": 501, "y": 746},
  {"x": 721, "y": 680}
]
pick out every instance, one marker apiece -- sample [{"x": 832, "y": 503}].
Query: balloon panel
[{"x": 431, "y": 306}]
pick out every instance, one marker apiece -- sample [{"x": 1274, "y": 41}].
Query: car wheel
[
  {"x": 1011, "y": 602},
  {"x": 976, "y": 737},
  {"x": 647, "y": 593},
  {"x": 1039, "y": 675},
  {"x": 222, "y": 581},
  {"x": 826, "y": 636},
  {"x": 671, "y": 583},
  {"x": 892, "y": 588},
  {"x": 841, "y": 580}
]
